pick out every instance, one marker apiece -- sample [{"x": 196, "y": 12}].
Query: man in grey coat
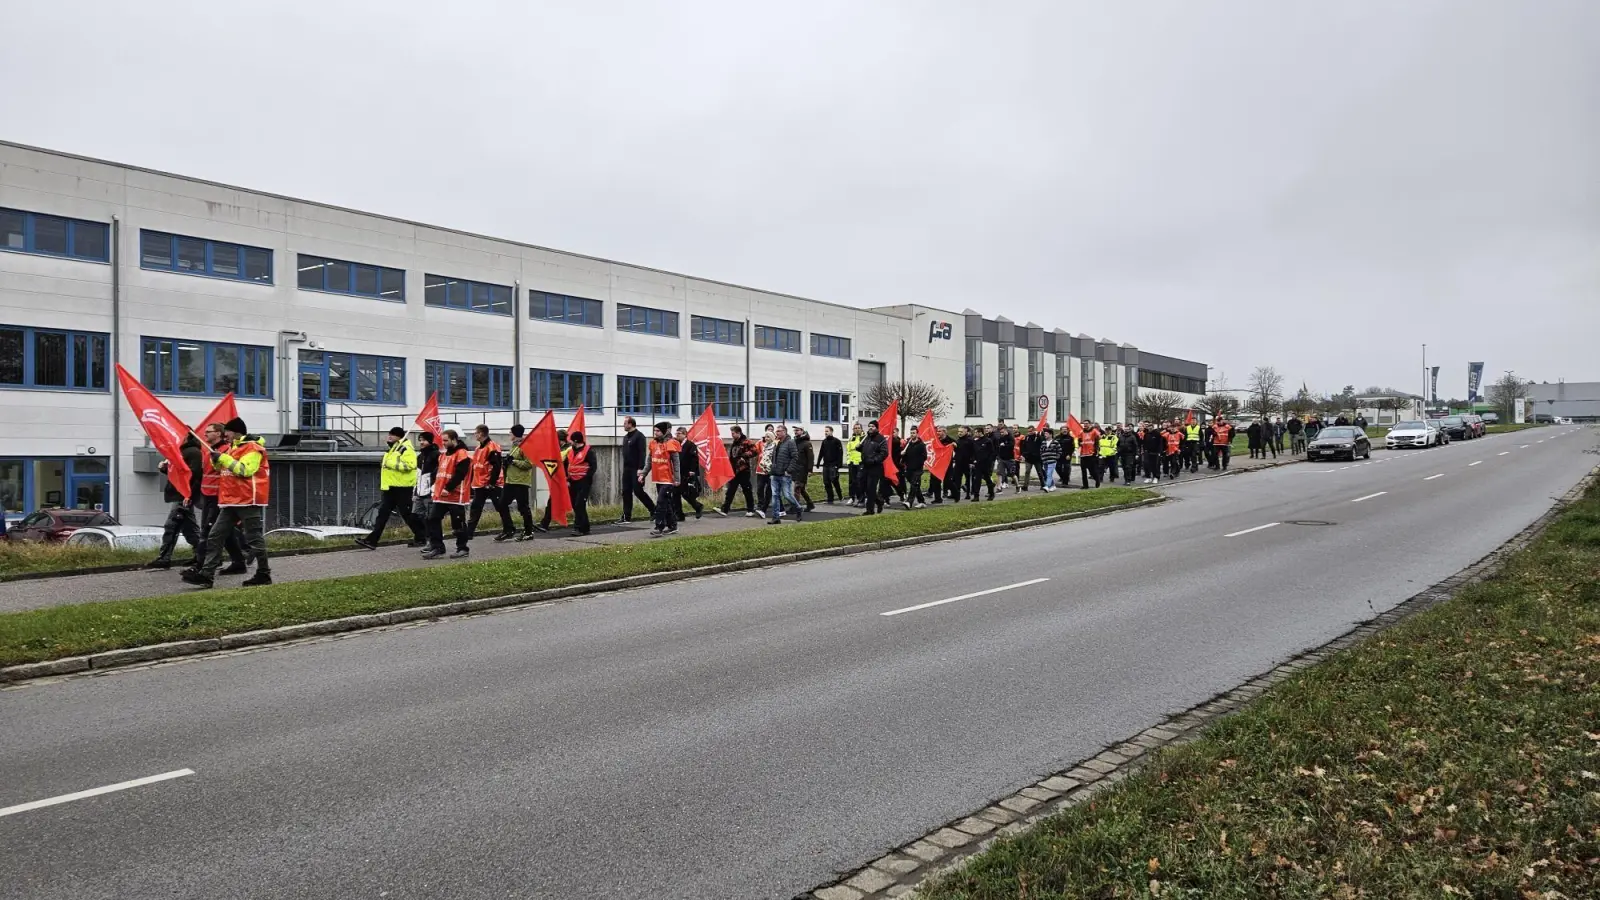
[{"x": 785, "y": 456}]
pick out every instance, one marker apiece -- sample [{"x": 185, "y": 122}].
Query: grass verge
[
  {"x": 52, "y": 633},
  {"x": 1509, "y": 427},
  {"x": 1453, "y": 755}
]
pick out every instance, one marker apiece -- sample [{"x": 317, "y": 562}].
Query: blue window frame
[
  {"x": 337, "y": 276},
  {"x": 458, "y": 293},
  {"x": 828, "y": 345},
  {"x": 726, "y": 400},
  {"x": 469, "y": 385},
  {"x": 557, "y": 389},
  {"x": 644, "y": 320},
  {"x": 28, "y": 484},
  {"x": 162, "y": 252},
  {"x": 30, "y": 232},
  {"x": 827, "y": 407},
  {"x": 777, "y": 404},
  {"x": 716, "y": 331},
  {"x": 176, "y": 366},
  {"x": 563, "y": 308},
  {"x": 52, "y": 358},
  {"x": 647, "y": 396},
  {"x": 784, "y": 339},
  {"x": 353, "y": 377}
]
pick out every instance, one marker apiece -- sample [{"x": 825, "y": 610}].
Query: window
[
  {"x": 726, "y": 400},
  {"x": 647, "y": 396},
  {"x": 354, "y": 377},
  {"x": 562, "y": 308},
  {"x": 1007, "y": 380},
  {"x": 1035, "y": 374},
  {"x": 974, "y": 376},
  {"x": 197, "y": 256},
  {"x": 1063, "y": 387},
  {"x": 48, "y": 358},
  {"x": 27, "y": 232},
  {"x": 1160, "y": 381},
  {"x": 644, "y": 320},
  {"x": 828, "y": 345},
  {"x": 716, "y": 331},
  {"x": 468, "y": 384},
  {"x": 784, "y": 339},
  {"x": 827, "y": 407},
  {"x": 1111, "y": 390},
  {"x": 458, "y": 293},
  {"x": 554, "y": 389},
  {"x": 339, "y": 277},
  {"x": 777, "y": 404},
  {"x": 171, "y": 366},
  {"x": 1087, "y": 412}
]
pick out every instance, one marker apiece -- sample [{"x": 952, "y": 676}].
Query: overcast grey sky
[{"x": 1320, "y": 187}]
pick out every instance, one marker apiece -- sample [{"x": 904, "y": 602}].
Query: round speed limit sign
[{"x": 1044, "y": 402}]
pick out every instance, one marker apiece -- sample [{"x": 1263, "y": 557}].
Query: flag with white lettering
[{"x": 166, "y": 430}]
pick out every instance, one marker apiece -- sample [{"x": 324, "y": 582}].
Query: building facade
[{"x": 330, "y": 326}]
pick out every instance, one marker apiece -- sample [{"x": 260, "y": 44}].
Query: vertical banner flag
[
  {"x": 939, "y": 453},
  {"x": 1433, "y": 391},
  {"x": 580, "y": 423},
  {"x": 544, "y": 449},
  {"x": 166, "y": 430},
  {"x": 1044, "y": 422},
  {"x": 1474, "y": 380},
  {"x": 707, "y": 437},
  {"x": 889, "y": 426},
  {"x": 1189, "y": 419},
  {"x": 428, "y": 419},
  {"x": 224, "y": 412},
  {"x": 1075, "y": 429}
]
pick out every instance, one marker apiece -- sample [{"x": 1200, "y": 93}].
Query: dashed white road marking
[
  {"x": 1257, "y": 528},
  {"x": 1009, "y": 587},
  {"x": 1505, "y": 453},
  {"x": 1369, "y": 497},
  {"x": 1432, "y": 477},
  {"x": 1478, "y": 463},
  {"x": 94, "y": 792}
]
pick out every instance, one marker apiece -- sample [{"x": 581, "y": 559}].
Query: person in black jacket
[
  {"x": 913, "y": 459},
  {"x": 874, "y": 450},
  {"x": 805, "y": 461},
  {"x": 180, "y": 512},
  {"x": 982, "y": 469},
  {"x": 1154, "y": 446},
  {"x": 831, "y": 457},
  {"x": 960, "y": 464},
  {"x": 898, "y": 486},
  {"x": 633, "y": 460},
  {"x": 936, "y": 488},
  {"x": 688, "y": 475},
  {"x": 1030, "y": 459}
]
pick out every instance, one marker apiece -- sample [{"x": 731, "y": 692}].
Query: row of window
[
  {"x": 1063, "y": 395},
  {"x": 727, "y": 401},
  {"x": 26, "y": 232},
  {"x": 1161, "y": 381}
]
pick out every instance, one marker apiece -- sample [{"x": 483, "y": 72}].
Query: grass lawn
[
  {"x": 1452, "y": 756},
  {"x": 52, "y": 633},
  {"x": 1509, "y": 428}
]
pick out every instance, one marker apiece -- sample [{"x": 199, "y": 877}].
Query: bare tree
[
  {"x": 1155, "y": 406},
  {"x": 1505, "y": 393},
  {"x": 1266, "y": 391},
  {"x": 1219, "y": 404},
  {"x": 916, "y": 398},
  {"x": 1302, "y": 403}
]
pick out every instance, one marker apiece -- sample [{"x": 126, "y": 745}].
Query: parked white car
[
  {"x": 119, "y": 537},
  {"x": 320, "y": 532},
  {"x": 1414, "y": 434}
]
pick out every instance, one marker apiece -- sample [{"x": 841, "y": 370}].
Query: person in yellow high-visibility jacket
[
  {"x": 398, "y": 482},
  {"x": 243, "y": 490}
]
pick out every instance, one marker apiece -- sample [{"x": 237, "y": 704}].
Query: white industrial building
[{"x": 332, "y": 325}]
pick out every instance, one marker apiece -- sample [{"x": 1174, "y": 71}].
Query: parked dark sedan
[
  {"x": 53, "y": 526},
  {"x": 1340, "y": 442},
  {"x": 1458, "y": 428}
]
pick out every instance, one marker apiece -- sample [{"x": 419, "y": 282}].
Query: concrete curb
[
  {"x": 134, "y": 655},
  {"x": 945, "y": 849}
]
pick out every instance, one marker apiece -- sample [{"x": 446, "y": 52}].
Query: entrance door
[
  {"x": 88, "y": 484},
  {"x": 313, "y": 408}
]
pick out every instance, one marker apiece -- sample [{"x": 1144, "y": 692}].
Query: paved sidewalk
[{"x": 64, "y": 591}]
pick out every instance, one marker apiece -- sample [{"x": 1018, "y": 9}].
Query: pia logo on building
[{"x": 939, "y": 331}]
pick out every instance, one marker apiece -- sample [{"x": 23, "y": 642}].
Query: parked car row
[{"x": 1463, "y": 427}]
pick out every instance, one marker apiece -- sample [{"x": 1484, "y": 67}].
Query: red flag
[
  {"x": 939, "y": 453},
  {"x": 707, "y": 437},
  {"x": 1073, "y": 427},
  {"x": 889, "y": 426},
  {"x": 1044, "y": 422},
  {"x": 428, "y": 419},
  {"x": 166, "y": 430},
  {"x": 1189, "y": 419},
  {"x": 224, "y": 412},
  {"x": 579, "y": 423},
  {"x": 544, "y": 449}
]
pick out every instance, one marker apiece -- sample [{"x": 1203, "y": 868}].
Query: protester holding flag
[
  {"x": 688, "y": 476},
  {"x": 210, "y": 487},
  {"x": 664, "y": 472},
  {"x": 742, "y": 452},
  {"x": 874, "y": 449},
  {"x": 545, "y": 518},
  {"x": 960, "y": 464},
  {"x": 181, "y": 509},
  {"x": 427, "y": 468},
  {"x": 243, "y": 491},
  {"x": 579, "y": 473},
  {"x": 913, "y": 459},
  {"x": 452, "y": 492}
]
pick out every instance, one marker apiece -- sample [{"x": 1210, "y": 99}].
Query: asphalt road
[{"x": 739, "y": 736}]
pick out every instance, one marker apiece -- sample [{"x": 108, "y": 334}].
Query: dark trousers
[
  {"x": 1089, "y": 466},
  {"x": 1152, "y": 464},
  {"x": 397, "y": 499},
  {"x": 1130, "y": 467},
  {"x": 855, "y": 482},
  {"x": 632, "y": 487},
  {"x": 913, "y": 482},
  {"x": 979, "y": 473},
  {"x": 1029, "y": 467},
  {"x": 579, "y": 492},
  {"x": 491, "y": 496},
  {"x": 209, "y": 512},
  {"x": 1173, "y": 465},
  {"x": 896, "y": 487},
  {"x": 740, "y": 482},
  {"x": 180, "y": 521},
  {"x": 870, "y": 476},
  {"x": 763, "y": 492},
  {"x": 936, "y": 488},
  {"x": 665, "y": 508},
  {"x": 249, "y": 522},
  {"x": 802, "y": 492},
  {"x": 1224, "y": 453},
  {"x": 516, "y": 494},
  {"x": 1108, "y": 468},
  {"x": 1211, "y": 456},
  {"x": 830, "y": 482},
  {"x": 1272, "y": 447},
  {"x": 1191, "y": 456},
  {"x": 953, "y": 487},
  {"x": 688, "y": 490},
  {"x": 458, "y": 524}
]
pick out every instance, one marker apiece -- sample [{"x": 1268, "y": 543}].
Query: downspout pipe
[
  {"x": 516, "y": 353},
  {"x": 116, "y": 357},
  {"x": 285, "y": 338}
]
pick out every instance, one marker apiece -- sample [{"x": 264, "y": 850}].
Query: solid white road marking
[
  {"x": 1523, "y": 447},
  {"x": 1432, "y": 477},
  {"x": 1369, "y": 497},
  {"x": 94, "y": 792},
  {"x": 1505, "y": 452},
  {"x": 1257, "y": 528},
  {"x": 1478, "y": 463},
  {"x": 1009, "y": 587}
]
